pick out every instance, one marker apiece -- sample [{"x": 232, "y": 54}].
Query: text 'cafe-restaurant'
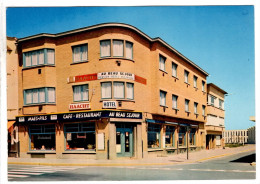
[{"x": 91, "y": 134}]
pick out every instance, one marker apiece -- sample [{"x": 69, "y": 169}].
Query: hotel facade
[{"x": 108, "y": 91}]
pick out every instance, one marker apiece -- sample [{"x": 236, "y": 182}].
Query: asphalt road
[{"x": 225, "y": 168}]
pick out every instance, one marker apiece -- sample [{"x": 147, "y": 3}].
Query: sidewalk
[{"x": 196, "y": 156}]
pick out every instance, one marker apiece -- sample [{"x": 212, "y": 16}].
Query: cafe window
[
  {"x": 169, "y": 136},
  {"x": 80, "y": 53},
  {"x": 192, "y": 136},
  {"x": 80, "y": 93},
  {"x": 39, "y": 57},
  {"x": 154, "y": 135},
  {"x": 182, "y": 136},
  {"x": 42, "y": 137},
  {"x": 80, "y": 136}
]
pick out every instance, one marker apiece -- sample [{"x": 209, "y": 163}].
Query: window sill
[
  {"x": 196, "y": 114},
  {"x": 182, "y": 147},
  {"x": 170, "y": 148},
  {"x": 124, "y": 100},
  {"x": 175, "y": 77},
  {"x": 188, "y": 84},
  {"x": 196, "y": 89},
  {"x": 163, "y": 71},
  {"x": 154, "y": 149},
  {"x": 38, "y": 66},
  {"x": 79, "y": 62},
  {"x": 113, "y": 57},
  {"x": 79, "y": 151},
  {"x": 29, "y": 105},
  {"x": 187, "y": 112},
  {"x": 164, "y": 106},
  {"x": 42, "y": 151},
  {"x": 175, "y": 109}
]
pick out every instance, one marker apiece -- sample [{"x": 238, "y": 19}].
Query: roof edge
[
  {"x": 102, "y": 25},
  {"x": 218, "y": 88}
]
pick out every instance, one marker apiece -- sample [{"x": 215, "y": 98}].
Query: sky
[{"x": 219, "y": 39}]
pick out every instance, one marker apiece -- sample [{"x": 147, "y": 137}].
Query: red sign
[
  {"x": 89, "y": 77},
  {"x": 79, "y": 106},
  {"x": 140, "y": 79}
]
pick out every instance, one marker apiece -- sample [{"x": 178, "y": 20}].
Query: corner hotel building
[{"x": 108, "y": 91}]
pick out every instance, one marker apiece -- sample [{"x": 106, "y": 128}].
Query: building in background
[
  {"x": 215, "y": 124},
  {"x": 251, "y": 132},
  {"x": 12, "y": 95},
  {"x": 235, "y": 136},
  {"x": 108, "y": 91}
]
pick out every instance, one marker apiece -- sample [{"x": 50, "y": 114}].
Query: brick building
[
  {"x": 215, "y": 125},
  {"x": 108, "y": 91}
]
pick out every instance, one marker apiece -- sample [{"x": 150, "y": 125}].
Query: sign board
[
  {"x": 116, "y": 75},
  {"x": 109, "y": 104},
  {"x": 101, "y": 141},
  {"x": 79, "y": 106},
  {"x": 90, "y": 115}
]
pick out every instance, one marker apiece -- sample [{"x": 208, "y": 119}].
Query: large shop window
[
  {"x": 182, "y": 136},
  {"x": 39, "y": 57},
  {"x": 80, "y": 93},
  {"x": 169, "y": 136},
  {"x": 39, "y": 96},
  {"x": 80, "y": 136},
  {"x": 42, "y": 137},
  {"x": 121, "y": 90},
  {"x": 120, "y": 48},
  {"x": 80, "y": 53},
  {"x": 154, "y": 135},
  {"x": 193, "y": 136}
]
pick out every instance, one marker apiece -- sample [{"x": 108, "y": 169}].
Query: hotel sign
[
  {"x": 107, "y": 75},
  {"x": 116, "y": 75},
  {"x": 92, "y": 115},
  {"x": 109, "y": 105},
  {"x": 79, "y": 106}
]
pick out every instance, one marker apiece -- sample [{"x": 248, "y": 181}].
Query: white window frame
[
  {"x": 186, "y": 76},
  {"x": 81, "y": 52},
  {"x": 162, "y": 62},
  {"x": 174, "y": 101},
  {"x": 174, "y": 69},
  {"x": 163, "y": 98},
  {"x": 82, "y": 92},
  {"x": 195, "y": 79},
  {"x": 187, "y": 103},
  {"x": 34, "y": 96},
  {"x": 41, "y": 57}
]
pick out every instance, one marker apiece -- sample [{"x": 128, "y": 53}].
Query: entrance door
[{"x": 124, "y": 142}]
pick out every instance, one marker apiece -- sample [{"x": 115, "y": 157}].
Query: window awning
[{"x": 10, "y": 123}]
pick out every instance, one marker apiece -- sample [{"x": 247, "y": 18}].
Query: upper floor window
[
  {"x": 187, "y": 105},
  {"x": 120, "y": 90},
  {"x": 195, "y": 108},
  {"x": 221, "y": 104},
  {"x": 80, "y": 53},
  {"x": 174, "y": 69},
  {"x": 39, "y": 57},
  {"x": 120, "y": 48},
  {"x": 80, "y": 93},
  {"x": 203, "y": 110},
  {"x": 174, "y": 101},
  {"x": 186, "y": 76},
  {"x": 203, "y": 86},
  {"x": 211, "y": 100},
  {"x": 195, "y": 81},
  {"x": 128, "y": 50},
  {"x": 162, "y": 63},
  {"x": 162, "y": 98},
  {"x": 39, "y": 95}
]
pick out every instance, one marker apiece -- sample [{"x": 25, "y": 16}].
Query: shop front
[{"x": 92, "y": 134}]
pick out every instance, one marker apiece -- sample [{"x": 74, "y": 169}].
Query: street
[{"x": 231, "y": 167}]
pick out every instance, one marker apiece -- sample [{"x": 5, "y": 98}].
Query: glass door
[{"x": 124, "y": 142}]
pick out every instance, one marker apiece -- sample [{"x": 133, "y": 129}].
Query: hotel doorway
[{"x": 124, "y": 140}]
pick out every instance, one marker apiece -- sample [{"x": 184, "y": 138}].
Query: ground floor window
[
  {"x": 42, "y": 137},
  {"x": 154, "y": 135},
  {"x": 193, "y": 136},
  {"x": 169, "y": 136},
  {"x": 80, "y": 136},
  {"x": 182, "y": 136}
]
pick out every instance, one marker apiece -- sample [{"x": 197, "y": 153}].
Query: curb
[{"x": 128, "y": 164}]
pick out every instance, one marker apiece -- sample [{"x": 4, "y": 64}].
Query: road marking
[
  {"x": 28, "y": 170},
  {"x": 17, "y": 176},
  {"x": 22, "y": 173}
]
